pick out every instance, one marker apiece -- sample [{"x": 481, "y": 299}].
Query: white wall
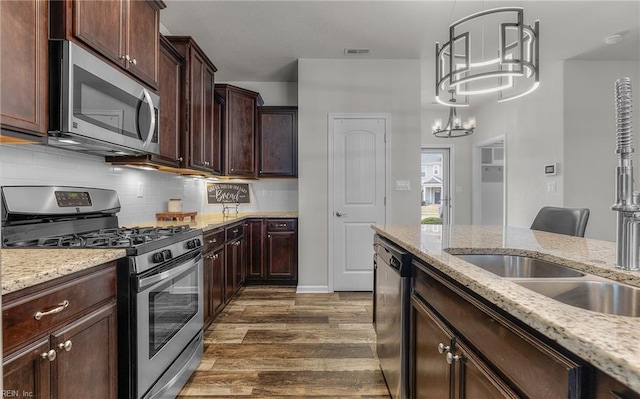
[
  {"x": 42, "y": 165},
  {"x": 353, "y": 86},
  {"x": 590, "y": 160},
  {"x": 534, "y": 130}
]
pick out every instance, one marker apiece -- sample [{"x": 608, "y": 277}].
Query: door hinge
[
  {"x": 385, "y": 201},
  {"x": 385, "y": 137}
]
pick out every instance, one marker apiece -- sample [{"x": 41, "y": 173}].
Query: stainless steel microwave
[{"x": 96, "y": 108}]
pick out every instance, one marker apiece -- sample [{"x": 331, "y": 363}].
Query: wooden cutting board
[{"x": 175, "y": 215}]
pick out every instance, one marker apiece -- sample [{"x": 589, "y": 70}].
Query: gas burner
[{"x": 62, "y": 241}]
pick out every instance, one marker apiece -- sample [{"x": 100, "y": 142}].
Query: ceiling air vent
[{"x": 356, "y": 51}]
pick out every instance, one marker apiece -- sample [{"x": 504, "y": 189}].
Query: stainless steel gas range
[{"x": 160, "y": 315}]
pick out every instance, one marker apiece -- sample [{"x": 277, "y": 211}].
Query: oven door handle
[{"x": 147, "y": 281}]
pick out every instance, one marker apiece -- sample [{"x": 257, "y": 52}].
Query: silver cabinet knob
[
  {"x": 442, "y": 348},
  {"x": 51, "y": 355},
  {"x": 66, "y": 345},
  {"x": 179, "y": 159},
  {"x": 452, "y": 358},
  {"x": 133, "y": 61}
]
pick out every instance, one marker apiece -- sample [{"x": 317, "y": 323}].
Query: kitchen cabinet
[
  {"x": 272, "y": 251},
  {"x": 277, "y": 141},
  {"x": 203, "y": 141},
  {"x": 234, "y": 259},
  {"x": 24, "y": 62},
  {"x": 443, "y": 366},
  {"x": 126, "y": 32},
  {"x": 213, "y": 275},
  {"x": 282, "y": 250},
  {"x": 256, "y": 234},
  {"x": 515, "y": 359},
  {"x": 60, "y": 337},
  {"x": 238, "y": 122}
]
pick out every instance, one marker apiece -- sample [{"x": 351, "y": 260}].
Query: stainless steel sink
[
  {"x": 598, "y": 296},
  {"x": 514, "y": 266}
]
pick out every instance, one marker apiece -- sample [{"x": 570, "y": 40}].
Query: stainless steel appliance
[
  {"x": 160, "y": 315},
  {"x": 392, "y": 267},
  {"x": 96, "y": 108}
]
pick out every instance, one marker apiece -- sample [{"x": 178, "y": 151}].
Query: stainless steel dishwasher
[{"x": 392, "y": 267}]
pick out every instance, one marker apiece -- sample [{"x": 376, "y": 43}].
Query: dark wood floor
[{"x": 271, "y": 343}]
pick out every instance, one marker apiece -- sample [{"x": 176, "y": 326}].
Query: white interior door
[{"x": 358, "y": 187}]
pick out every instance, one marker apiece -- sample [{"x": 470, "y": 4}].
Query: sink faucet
[{"x": 627, "y": 201}]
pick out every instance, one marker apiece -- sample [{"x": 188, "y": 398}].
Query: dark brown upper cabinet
[
  {"x": 23, "y": 70},
  {"x": 202, "y": 141},
  {"x": 277, "y": 141},
  {"x": 126, "y": 32},
  {"x": 238, "y": 123}
]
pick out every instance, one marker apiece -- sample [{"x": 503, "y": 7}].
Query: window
[{"x": 436, "y": 170}]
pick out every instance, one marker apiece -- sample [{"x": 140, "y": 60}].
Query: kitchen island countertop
[
  {"x": 22, "y": 268},
  {"x": 610, "y": 343}
]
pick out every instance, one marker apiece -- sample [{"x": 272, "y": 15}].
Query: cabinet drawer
[
  {"x": 511, "y": 350},
  {"x": 213, "y": 240},
  {"x": 19, "y": 323},
  {"x": 233, "y": 232},
  {"x": 281, "y": 224}
]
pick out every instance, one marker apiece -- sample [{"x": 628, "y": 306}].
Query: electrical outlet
[
  {"x": 403, "y": 185},
  {"x": 140, "y": 190},
  {"x": 552, "y": 187}
]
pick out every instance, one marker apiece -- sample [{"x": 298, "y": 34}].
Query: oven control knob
[
  {"x": 167, "y": 254},
  {"x": 158, "y": 257},
  {"x": 195, "y": 243}
]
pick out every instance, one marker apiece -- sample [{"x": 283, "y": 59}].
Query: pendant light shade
[{"x": 466, "y": 66}]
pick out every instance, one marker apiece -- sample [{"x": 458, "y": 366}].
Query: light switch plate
[
  {"x": 140, "y": 189},
  {"x": 403, "y": 185},
  {"x": 552, "y": 187}
]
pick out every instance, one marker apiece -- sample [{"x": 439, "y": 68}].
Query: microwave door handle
[
  {"x": 147, "y": 281},
  {"x": 152, "y": 125}
]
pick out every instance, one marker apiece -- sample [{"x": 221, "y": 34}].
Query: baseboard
[{"x": 312, "y": 289}]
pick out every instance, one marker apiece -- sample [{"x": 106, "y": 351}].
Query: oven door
[{"x": 169, "y": 309}]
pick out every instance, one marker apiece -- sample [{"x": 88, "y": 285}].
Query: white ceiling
[{"x": 262, "y": 40}]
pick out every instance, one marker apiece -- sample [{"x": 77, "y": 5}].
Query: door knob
[{"x": 340, "y": 214}]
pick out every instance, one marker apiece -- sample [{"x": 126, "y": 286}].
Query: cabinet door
[
  {"x": 255, "y": 249},
  {"x": 86, "y": 366},
  {"x": 171, "y": 111},
  {"x": 430, "y": 374},
  {"x": 207, "y": 289},
  {"x": 241, "y": 111},
  {"x": 24, "y": 65},
  {"x": 281, "y": 255},
  {"x": 212, "y": 145},
  {"x": 26, "y": 373},
  {"x": 231, "y": 260},
  {"x": 474, "y": 379},
  {"x": 142, "y": 41},
  {"x": 102, "y": 24},
  {"x": 196, "y": 114},
  {"x": 278, "y": 141},
  {"x": 218, "y": 282}
]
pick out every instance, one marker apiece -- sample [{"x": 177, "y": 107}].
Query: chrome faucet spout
[{"x": 627, "y": 201}]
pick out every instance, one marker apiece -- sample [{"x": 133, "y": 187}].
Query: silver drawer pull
[
  {"x": 281, "y": 225},
  {"x": 39, "y": 315},
  {"x": 452, "y": 358},
  {"x": 213, "y": 241},
  {"x": 442, "y": 348},
  {"x": 66, "y": 345},
  {"x": 51, "y": 355}
]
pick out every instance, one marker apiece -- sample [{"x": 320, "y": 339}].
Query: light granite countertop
[
  {"x": 22, "y": 268},
  {"x": 213, "y": 220},
  {"x": 610, "y": 343}
]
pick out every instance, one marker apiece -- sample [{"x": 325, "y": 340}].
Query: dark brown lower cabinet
[
  {"x": 516, "y": 361},
  {"x": 446, "y": 368},
  {"x": 213, "y": 287},
  {"x": 272, "y": 251},
  {"x": 71, "y": 353}
]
